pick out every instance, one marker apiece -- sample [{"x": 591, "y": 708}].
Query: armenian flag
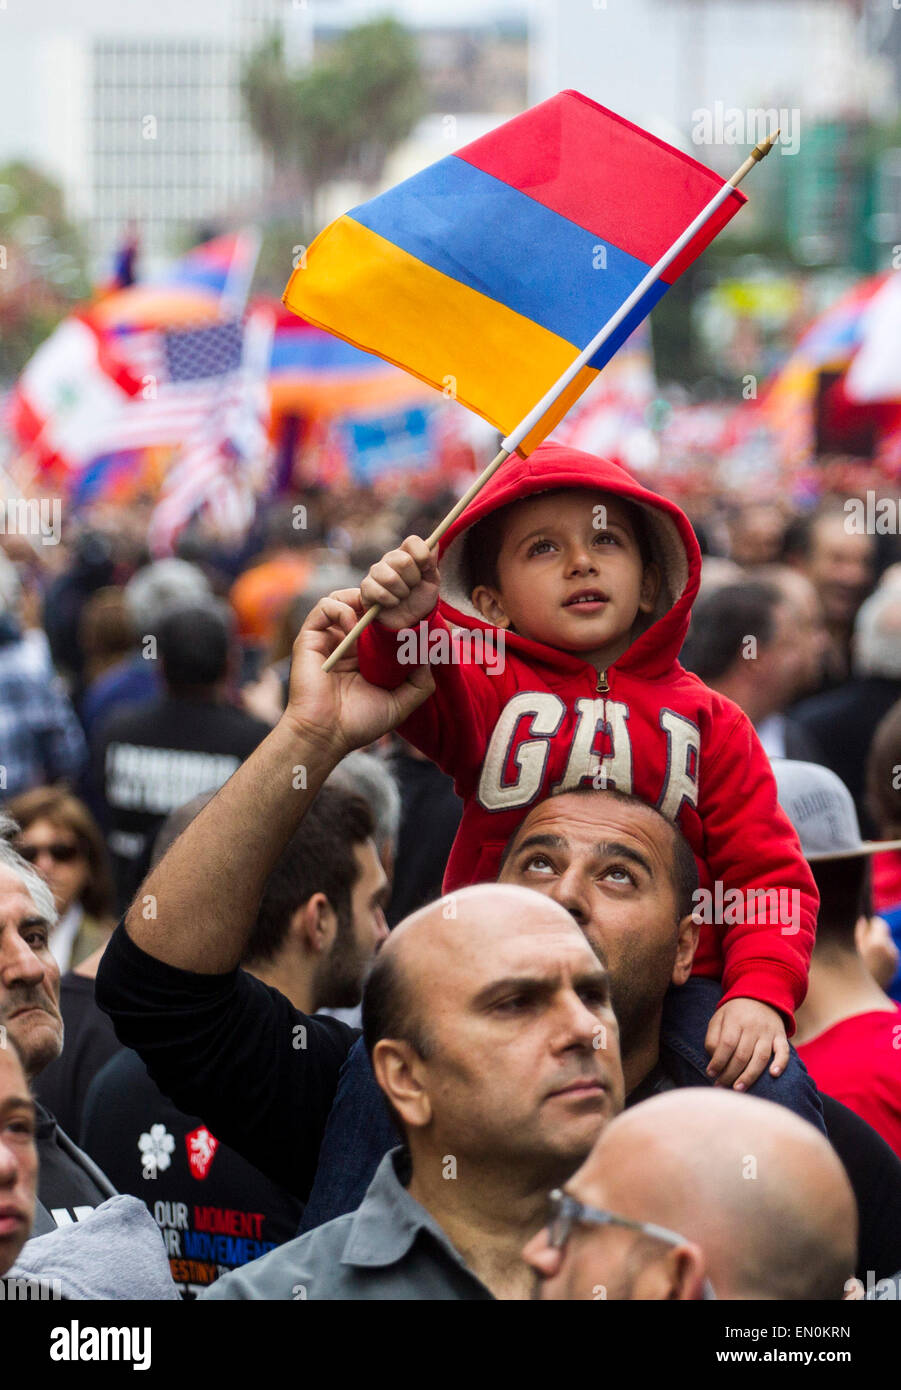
[{"x": 486, "y": 274}]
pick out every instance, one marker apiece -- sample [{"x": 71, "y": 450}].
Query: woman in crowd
[{"x": 61, "y": 838}]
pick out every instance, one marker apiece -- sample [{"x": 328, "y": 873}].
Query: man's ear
[
  {"x": 400, "y": 1074},
  {"x": 488, "y": 602},
  {"x": 676, "y": 1276},
  {"x": 650, "y": 588},
  {"x": 314, "y": 924},
  {"x": 686, "y": 945}
]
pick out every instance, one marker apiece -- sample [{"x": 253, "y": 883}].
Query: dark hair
[
  {"x": 798, "y": 537},
  {"x": 105, "y": 629},
  {"x": 388, "y": 1007},
  {"x": 177, "y": 821},
  {"x": 66, "y": 812},
  {"x": 390, "y": 1011},
  {"x": 483, "y": 541},
  {"x": 683, "y": 865},
  {"x": 193, "y": 647},
  {"x": 319, "y": 858},
  {"x": 843, "y": 885},
  {"x": 722, "y": 620},
  {"x": 481, "y": 547}
]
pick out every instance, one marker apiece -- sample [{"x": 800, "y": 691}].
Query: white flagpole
[
  {"x": 537, "y": 413},
  {"x": 240, "y": 273}
]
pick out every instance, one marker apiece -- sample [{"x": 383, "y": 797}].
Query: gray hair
[
  {"x": 34, "y": 885},
  {"x": 877, "y": 635},
  {"x": 165, "y": 584},
  {"x": 369, "y": 776}
]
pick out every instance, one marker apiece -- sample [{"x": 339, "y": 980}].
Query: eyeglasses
[
  {"x": 59, "y": 852},
  {"x": 567, "y": 1211}
]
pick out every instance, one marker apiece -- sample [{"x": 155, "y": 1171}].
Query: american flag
[
  {"x": 224, "y": 463},
  {"x": 184, "y": 374}
]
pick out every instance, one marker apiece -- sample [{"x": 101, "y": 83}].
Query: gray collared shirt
[{"x": 389, "y": 1248}]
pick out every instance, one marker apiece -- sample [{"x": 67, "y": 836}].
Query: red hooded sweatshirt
[{"x": 511, "y": 731}]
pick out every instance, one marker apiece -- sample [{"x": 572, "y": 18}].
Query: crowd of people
[{"x": 564, "y": 966}]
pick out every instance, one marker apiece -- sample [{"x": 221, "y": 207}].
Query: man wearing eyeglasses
[{"x": 700, "y": 1194}]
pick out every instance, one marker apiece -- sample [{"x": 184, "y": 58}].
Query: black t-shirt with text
[
  {"x": 150, "y": 759},
  {"x": 66, "y": 1189},
  {"x": 215, "y": 1211}
]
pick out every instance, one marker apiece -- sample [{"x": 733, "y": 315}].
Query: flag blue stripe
[
  {"x": 478, "y": 230},
  {"x": 318, "y": 352}
]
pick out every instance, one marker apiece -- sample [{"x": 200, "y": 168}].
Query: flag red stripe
[{"x": 605, "y": 174}]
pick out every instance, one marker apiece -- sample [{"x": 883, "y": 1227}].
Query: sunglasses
[
  {"x": 59, "y": 852},
  {"x": 567, "y": 1211}
]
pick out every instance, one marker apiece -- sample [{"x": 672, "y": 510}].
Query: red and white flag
[{"x": 74, "y": 387}]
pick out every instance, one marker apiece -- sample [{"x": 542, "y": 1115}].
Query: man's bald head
[
  {"x": 491, "y": 1031},
  {"x": 759, "y": 1192},
  {"x": 395, "y": 1001}
]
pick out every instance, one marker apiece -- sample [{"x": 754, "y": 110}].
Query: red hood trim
[{"x": 672, "y": 540}]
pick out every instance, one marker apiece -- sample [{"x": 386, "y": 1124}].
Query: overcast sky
[{"x": 175, "y": 16}]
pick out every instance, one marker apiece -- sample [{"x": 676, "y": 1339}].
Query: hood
[{"x": 672, "y": 541}]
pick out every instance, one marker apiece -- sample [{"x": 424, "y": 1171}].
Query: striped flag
[
  {"x": 488, "y": 273},
  {"x": 182, "y": 373},
  {"x": 224, "y": 463}
]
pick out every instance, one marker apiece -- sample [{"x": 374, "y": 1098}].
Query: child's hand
[
  {"x": 405, "y": 583},
  {"x": 742, "y": 1036}
]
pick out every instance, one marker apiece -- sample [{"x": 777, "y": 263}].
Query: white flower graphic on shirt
[{"x": 155, "y": 1149}]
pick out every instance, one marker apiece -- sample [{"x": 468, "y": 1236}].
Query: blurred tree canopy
[
  {"x": 42, "y": 264},
  {"x": 339, "y": 119}
]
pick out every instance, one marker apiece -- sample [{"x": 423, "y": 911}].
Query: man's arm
[
  {"x": 218, "y": 1042},
  {"x": 196, "y": 909}
]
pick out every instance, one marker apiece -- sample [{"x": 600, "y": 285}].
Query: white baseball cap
[{"x": 821, "y": 809}]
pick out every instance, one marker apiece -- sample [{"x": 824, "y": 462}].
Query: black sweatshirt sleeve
[{"x": 259, "y": 1072}]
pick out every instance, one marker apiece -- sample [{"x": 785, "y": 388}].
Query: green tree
[
  {"x": 341, "y": 118},
  {"x": 42, "y": 264}
]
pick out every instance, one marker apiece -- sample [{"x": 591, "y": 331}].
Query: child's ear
[
  {"x": 650, "y": 588},
  {"x": 488, "y": 602}
]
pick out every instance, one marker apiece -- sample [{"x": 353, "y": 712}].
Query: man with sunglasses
[{"x": 701, "y": 1194}]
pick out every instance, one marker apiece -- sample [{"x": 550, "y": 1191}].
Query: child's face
[{"x": 570, "y": 574}]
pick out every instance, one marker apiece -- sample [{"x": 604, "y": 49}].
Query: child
[{"x": 580, "y": 582}]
